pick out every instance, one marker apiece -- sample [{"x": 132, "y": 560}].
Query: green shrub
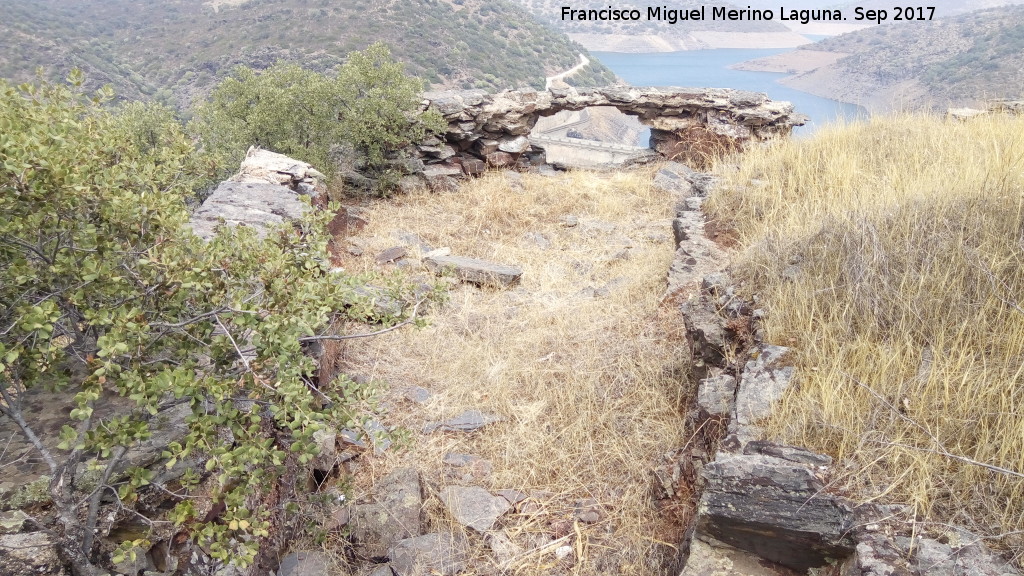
[
  {"x": 369, "y": 105},
  {"x": 104, "y": 290}
]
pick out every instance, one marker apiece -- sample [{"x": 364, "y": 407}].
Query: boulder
[{"x": 258, "y": 205}]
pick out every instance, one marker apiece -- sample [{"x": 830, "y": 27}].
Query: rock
[
  {"x": 475, "y": 271},
  {"x": 466, "y": 422},
  {"x": 473, "y": 466},
  {"x": 12, "y": 521},
  {"x": 473, "y": 506},
  {"x": 680, "y": 231},
  {"x": 716, "y": 396},
  {"x": 775, "y": 509},
  {"x": 563, "y": 552},
  {"x": 31, "y": 553},
  {"x": 499, "y": 159},
  {"x": 430, "y": 554},
  {"x": 588, "y": 511},
  {"x": 765, "y": 379},
  {"x": 381, "y": 570},
  {"x": 964, "y": 113},
  {"x": 876, "y": 555},
  {"x": 516, "y": 145},
  {"x": 473, "y": 166},
  {"x": 265, "y": 166},
  {"x": 513, "y": 496},
  {"x": 537, "y": 239},
  {"x": 417, "y": 394},
  {"x": 674, "y": 178},
  {"x": 305, "y": 563},
  {"x": 503, "y": 548},
  {"x": 253, "y": 204},
  {"x": 391, "y": 254},
  {"x": 705, "y": 330},
  {"x": 965, "y": 557},
  {"x": 789, "y": 453},
  {"x": 714, "y": 558},
  {"x": 880, "y": 554},
  {"x": 394, "y": 514}
]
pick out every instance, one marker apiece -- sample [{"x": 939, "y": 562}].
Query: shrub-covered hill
[
  {"x": 953, "y": 60},
  {"x": 176, "y": 50}
]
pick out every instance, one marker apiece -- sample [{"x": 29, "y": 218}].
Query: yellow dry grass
[
  {"x": 890, "y": 255},
  {"x": 590, "y": 389}
]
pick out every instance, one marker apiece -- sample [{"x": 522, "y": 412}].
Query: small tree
[
  {"x": 370, "y": 105},
  {"x": 104, "y": 291}
]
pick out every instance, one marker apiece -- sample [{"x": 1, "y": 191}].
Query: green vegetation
[
  {"x": 888, "y": 256},
  {"x": 141, "y": 49},
  {"x": 369, "y": 106},
  {"x": 106, "y": 293}
]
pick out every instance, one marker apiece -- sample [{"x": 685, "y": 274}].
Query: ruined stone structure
[{"x": 492, "y": 130}]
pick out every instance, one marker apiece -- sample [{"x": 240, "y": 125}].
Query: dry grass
[
  {"x": 890, "y": 255},
  {"x": 590, "y": 389}
]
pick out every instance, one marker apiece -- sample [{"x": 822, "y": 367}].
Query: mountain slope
[
  {"x": 654, "y": 35},
  {"x": 175, "y": 50},
  {"x": 949, "y": 61}
]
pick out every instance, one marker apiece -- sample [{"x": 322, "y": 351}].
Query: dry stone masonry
[
  {"x": 492, "y": 130},
  {"x": 765, "y": 509}
]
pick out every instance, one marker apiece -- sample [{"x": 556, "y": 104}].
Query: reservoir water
[{"x": 709, "y": 68}]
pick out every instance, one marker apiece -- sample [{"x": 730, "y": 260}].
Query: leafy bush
[
  {"x": 370, "y": 105},
  {"x": 105, "y": 292}
]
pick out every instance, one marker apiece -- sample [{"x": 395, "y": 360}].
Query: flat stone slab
[
  {"x": 430, "y": 554},
  {"x": 475, "y": 271},
  {"x": 473, "y": 506},
  {"x": 257, "y": 205},
  {"x": 713, "y": 558},
  {"x": 764, "y": 382},
  {"x": 466, "y": 422}
]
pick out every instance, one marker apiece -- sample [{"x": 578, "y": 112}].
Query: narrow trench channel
[{"x": 584, "y": 362}]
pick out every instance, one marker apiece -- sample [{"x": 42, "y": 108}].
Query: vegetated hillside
[
  {"x": 943, "y": 8},
  {"x": 886, "y": 254},
  {"x": 958, "y": 60},
  {"x": 662, "y": 35},
  {"x": 176, "y": 50}
]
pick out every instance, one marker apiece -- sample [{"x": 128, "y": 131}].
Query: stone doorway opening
[{"x": 592, "y": 136}]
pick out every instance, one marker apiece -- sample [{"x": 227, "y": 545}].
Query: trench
[{"x": 584, "y": 362}]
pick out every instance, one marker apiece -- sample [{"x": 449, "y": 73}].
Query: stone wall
[{"x": 491, "y": 130}]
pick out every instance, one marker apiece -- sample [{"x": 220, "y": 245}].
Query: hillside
[
  {"x": 654, "y": 35},
  {"x": 949, "y": 61},
  {"x": 176, "y": 50}
]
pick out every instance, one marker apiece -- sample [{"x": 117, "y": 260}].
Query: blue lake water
[{"x": 709, "y": 68}]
